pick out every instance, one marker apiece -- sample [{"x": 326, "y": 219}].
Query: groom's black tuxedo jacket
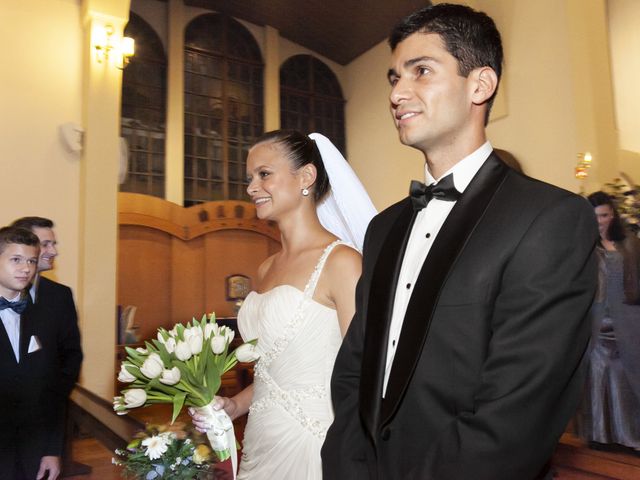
[
  {"x": 489, "y": 364},
  {"x": 33, "y": 392}
]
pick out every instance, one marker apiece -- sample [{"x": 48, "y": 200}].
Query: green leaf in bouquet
[
  {"x": 150, "y": 348},
  {"x": 153, "y": 384},
  {"x": 204, "y": 355},
  {"x": 178, "y": 402},
  {"x": 179, "y": 331},
  {"x": 162, "y": 351},
  {"x": 133, "y": 370},
  {"x": 221, "y": 359},
  {"x": 135, "y": 357},
  {"x": 212, "y": 376},
  {"x": 185, "y": 372},
  {"x": 230, "y": 362}
]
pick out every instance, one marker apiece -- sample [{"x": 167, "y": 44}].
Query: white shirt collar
[
  {"x": 33, "y": 291},
  {"x": 465, "y": 169}
]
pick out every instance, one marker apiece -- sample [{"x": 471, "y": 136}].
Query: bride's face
[{"x": 273, "y": 187}]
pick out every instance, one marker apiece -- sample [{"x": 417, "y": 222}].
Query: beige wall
[
  {"x": 40, "y": 89},
  {"x": 624, "y": 21},
  {"x": 382, "y": 163}
]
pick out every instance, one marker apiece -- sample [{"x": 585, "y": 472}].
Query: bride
[{"x": 303, "y": 304}]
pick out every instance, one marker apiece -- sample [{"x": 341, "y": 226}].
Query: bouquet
[
  {"x": 160, "y": 452},
  {"x": 625, "y": 196},
  {"x": 184, "y": 366}
]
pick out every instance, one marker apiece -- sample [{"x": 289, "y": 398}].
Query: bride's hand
[{"x": 202, "y": 422}]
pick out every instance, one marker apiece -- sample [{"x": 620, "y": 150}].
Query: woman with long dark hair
[{"x": 610, "y": 413}]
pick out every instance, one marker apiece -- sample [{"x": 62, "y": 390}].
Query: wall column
[
  {"x": 175, "y": 104},
  {"x": 594, "y": 106},
  {"x": 98, "y": 228},
  {"x": 271, "y": 79}
]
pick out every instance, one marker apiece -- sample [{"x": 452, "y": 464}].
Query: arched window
[
  {"x": 223, "y": 107},
  {"x": 144, "y": 110},
  {"x": 311, "y": 99}
]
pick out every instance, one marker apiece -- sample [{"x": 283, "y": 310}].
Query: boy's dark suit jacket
[
  {"x": 33, "y": 392},
  {"x": 489, "y": 365}
]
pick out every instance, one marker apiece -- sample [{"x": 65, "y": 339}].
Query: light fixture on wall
[
  {"x": 582, "y": 168},
  {"x": 106, "y": 44}
]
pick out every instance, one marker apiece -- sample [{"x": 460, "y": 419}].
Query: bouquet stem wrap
[{"x": 221, "y": 435}]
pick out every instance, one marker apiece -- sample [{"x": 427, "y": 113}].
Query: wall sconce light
[
  {"x": 105, "y": 41},
  {"x": 582, "y": 168}
]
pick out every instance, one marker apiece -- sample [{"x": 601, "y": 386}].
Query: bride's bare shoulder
[
  {"x": 265, "y": 267},
  {"x": 344, "y": 261}
]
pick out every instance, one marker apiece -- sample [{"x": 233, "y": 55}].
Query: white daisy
[{"x": 156, "y": 446}]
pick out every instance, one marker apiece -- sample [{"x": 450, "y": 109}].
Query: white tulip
[
  {"x": 209, "y": 329},
  {"x": 183, "y": 352},
  {"x": 218, "y": 344},
  {"x": 247, "y": 353},
  {"x": 118, "y": 406},
  {"x": 228, "y": 333},
  {"x": 134, "y": 397},
  {"x": 170, "y": 377},
  {"x": 170, "y": 344},
  {"x": 142, "y": 350},
  {"x": 125, "y": 376},
  {"x": 152, "y": 366},
  {"x": 192, "y": 332},
  {"x": 195, "y": 344}
]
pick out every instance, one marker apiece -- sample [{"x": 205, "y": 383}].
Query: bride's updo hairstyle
[{"x": 301, "y": 150}]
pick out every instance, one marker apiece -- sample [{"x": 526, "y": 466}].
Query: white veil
[{"x": 347, "y": 209}]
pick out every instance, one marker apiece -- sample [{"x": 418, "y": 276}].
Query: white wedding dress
[{"x": 298, "y": 340}]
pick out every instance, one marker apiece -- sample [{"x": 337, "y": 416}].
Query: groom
[{"x": 465, "y": 358}]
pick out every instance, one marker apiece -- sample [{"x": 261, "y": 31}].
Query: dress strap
[{"x": 310, "y": 288}]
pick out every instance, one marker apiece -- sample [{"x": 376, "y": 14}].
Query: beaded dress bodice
[{"x": 298, "y": 340}]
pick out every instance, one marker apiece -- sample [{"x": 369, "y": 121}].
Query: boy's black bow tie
[
  {"x": 17, "y": 306},
  {"x": 421, "y": 194}
]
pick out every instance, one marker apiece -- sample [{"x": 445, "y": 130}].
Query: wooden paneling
[
  {"x": 144, "y": 276},
  {"x": 189, "y": 275},
  {"x": 173, "y": 261},
  {"x": 227, "y": 253}
]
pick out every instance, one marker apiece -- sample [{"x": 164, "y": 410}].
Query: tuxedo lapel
[
  {"x": 450, "y": 241},
  {"x": 5, "y": 344},
  {"x": 25, "y": 333},
  {"x": 379, "y": 310}
]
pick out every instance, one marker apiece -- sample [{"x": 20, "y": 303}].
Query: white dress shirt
[
  {"x": 425, "y": 229},
  {"x": 11, "y": 322}
]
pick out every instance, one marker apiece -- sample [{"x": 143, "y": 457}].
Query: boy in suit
[
  {"x": 57, "y": 300},
  {"x": 465, "y": 358},
  {"x": 29, "y": 442}
]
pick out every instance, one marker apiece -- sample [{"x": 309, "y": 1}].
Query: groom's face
[{"x": 429, "y": 101}]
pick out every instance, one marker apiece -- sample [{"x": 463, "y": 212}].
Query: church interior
[{"x": 139, "y": 156}]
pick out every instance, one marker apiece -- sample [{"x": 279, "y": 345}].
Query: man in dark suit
[
  {"x": 54, "y": 302},
  {"x": 29, "y": 437},
  {"x": 465, "y": 358}
]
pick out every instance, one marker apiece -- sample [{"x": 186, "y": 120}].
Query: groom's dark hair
[{"x": 471, "y": 37}]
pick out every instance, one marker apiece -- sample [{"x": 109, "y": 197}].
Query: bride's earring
[{"x": 305, "y": 192}]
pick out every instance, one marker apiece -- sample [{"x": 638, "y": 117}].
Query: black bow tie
[
  {"x": 17, "y": 306},
  {"x": 443, "y": 190}
]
